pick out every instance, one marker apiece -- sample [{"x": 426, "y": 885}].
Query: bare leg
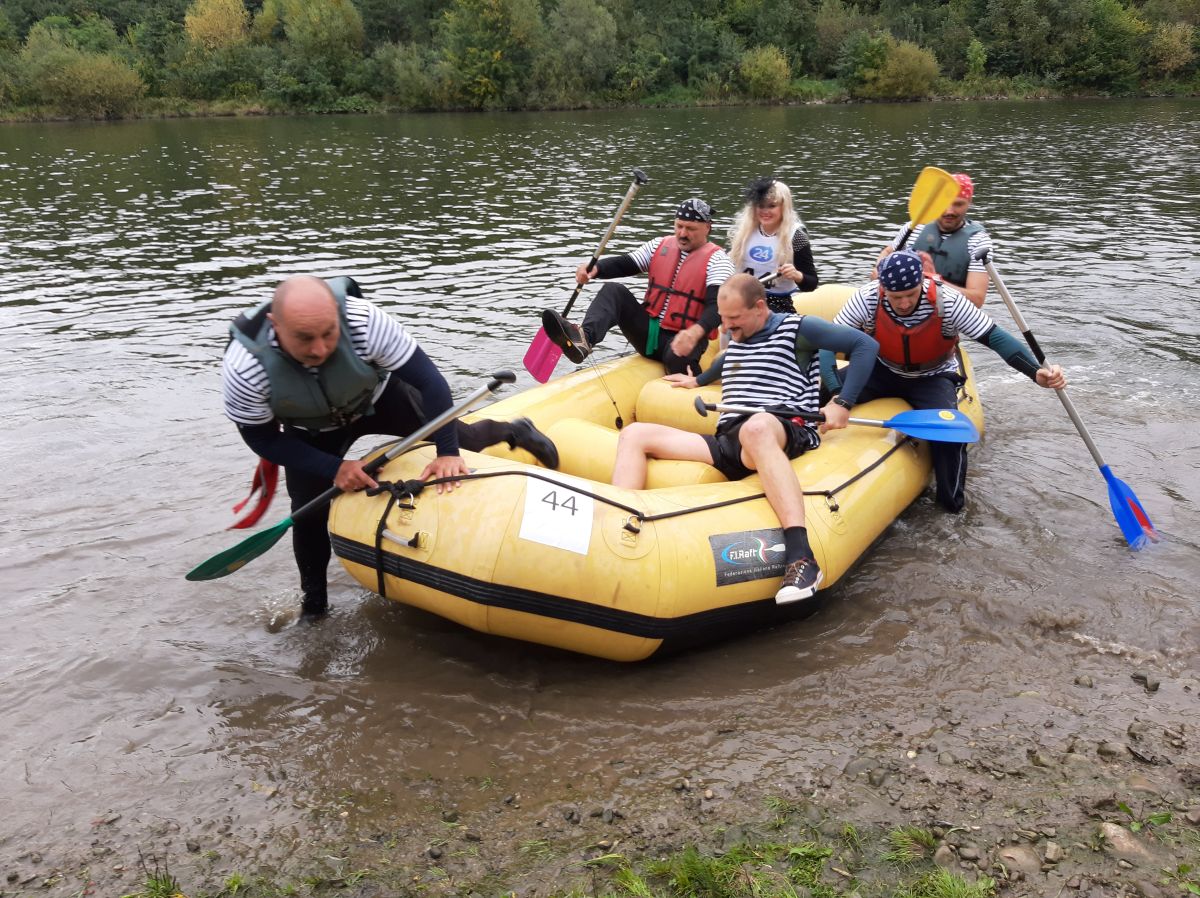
[
  {"x": 640, "y": 442},
  {"x": 762, "y": 439}
]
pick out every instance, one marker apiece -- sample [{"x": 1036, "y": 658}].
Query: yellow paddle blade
[{"x": 931, "y": 195}]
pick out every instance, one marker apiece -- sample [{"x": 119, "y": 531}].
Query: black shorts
[{"x": 726, "y": 446}]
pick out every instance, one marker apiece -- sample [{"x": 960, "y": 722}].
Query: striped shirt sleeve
[
  {"x": 720, "y": 268},
  {"x": 978, "y": 241},
  {"x": 859, "y": 310},
  {"x": 644, "y": 253},
  {"x": 377, "y": 336},
  {"x": 245, "y": 390},
  {"x": 962, "y": 314}
]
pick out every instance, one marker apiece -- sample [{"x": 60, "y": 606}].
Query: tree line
[{"x": 113, "y": 58}]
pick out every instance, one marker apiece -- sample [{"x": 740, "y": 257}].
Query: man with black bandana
[
  {"x": 918, "y": 322},
  {"x": 674, "y": 320},
  {"x": 318, "y": 367}
]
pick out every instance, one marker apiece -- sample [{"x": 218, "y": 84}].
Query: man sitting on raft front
[
  {"x": 673, "y": 321},
  {"x": 772, "y": 362}
]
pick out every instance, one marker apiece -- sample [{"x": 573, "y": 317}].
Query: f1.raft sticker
[
  {"x": 748, "y": 555},
  {"x": 945, "y": 415},
  {"x": 556, "y": 515}
]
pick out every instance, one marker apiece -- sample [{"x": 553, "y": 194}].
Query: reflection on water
[{"x": 129, "y": 247}]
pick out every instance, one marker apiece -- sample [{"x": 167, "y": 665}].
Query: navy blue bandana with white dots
[
  {"x": 901, "y": 271},
  {"x": 695, "y": 210}
]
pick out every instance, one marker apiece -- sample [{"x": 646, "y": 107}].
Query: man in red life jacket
[
  {"x": 918, "y": 322},
  {"x": 674, "y": 320}
]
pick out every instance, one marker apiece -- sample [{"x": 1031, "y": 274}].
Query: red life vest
[
  {"x": 681, "y": 292},
  {"x": 922, "y": 347}
]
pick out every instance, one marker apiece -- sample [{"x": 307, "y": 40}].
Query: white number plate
[{"x": 556, "y": 515}]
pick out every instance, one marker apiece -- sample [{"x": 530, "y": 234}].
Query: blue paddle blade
[
  {"x": 1131, "y": 517},
  {"x": 937, "y": 424}
]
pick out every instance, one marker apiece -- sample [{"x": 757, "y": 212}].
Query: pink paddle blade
[{"x": 541, "y": 357}]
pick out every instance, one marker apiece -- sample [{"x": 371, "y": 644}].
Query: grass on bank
[{"x": 803, "y": 869}]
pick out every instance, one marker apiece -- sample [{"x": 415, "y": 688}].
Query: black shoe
[
  {"x": 526, "y": 436},
  {"x": 800, "y": 581},
  {"x": 566, "y": 336},
  {"x": 315, "y": 605}
]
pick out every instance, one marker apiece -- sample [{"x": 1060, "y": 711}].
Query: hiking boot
[
  {"x": 566, "y": 336},
  {"x": 800, "y": 581},
  {"x": 525, "y": 436}
]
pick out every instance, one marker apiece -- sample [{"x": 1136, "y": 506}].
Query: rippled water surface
[{"x": 128, "y": 247}]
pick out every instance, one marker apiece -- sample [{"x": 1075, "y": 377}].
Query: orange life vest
[
  {"x": 681, "y": 292},
  {"x": 921, "y": 347}
]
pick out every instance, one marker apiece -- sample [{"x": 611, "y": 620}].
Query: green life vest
[
  {"x": 949, "y": 251},
  {"x": 332, "y": 395}
]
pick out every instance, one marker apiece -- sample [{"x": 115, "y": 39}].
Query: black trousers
[
  {"x": 934, "y": 391},
  {"x": 397, "y": 413},
  {"x": 616, "y": 306}
]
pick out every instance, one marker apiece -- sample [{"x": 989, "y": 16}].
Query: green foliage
[
  {"x": 216, "y": 24},
  {"x": 1107, "y": 54},
  {"x": 765, "y": 73},
  {"x": 235, "y": 72},
  {"x": 9, "y": 41},
  {"x": 404, "y": 75},
  {"x": 1172, "y": 49},
  {"x": 944, "y": 884},
  {"x": 909, "y": 73},
  {"x": 645, "y": 70},
  {"x": 976, "y": 59},
  {"x": 333, "y": 55},
  {"x": 487, "y": 49},
  {"x": 58, "y": 74},
  {"x": 576, "y": 59},
  {"x": 834, "y": 25},
  {"x": 862, "y": 55},
  {"x": 908, "y": 846},
  {"x": 329, "y": 31}
]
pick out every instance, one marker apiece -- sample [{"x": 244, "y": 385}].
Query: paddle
[
  {"x": 938, "y": 424},
  {"x": 543, "y": 354},
  {"x": 932, "y": 194},
  {"x": 1126, "y": 508},
  {"x": 224, "y": 563}
]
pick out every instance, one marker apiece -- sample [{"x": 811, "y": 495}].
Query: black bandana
[
  {"x": 694, "y": 210},
  {"x": 757, "y": 192}
]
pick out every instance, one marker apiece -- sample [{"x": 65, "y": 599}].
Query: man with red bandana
[
  {"x": 674, "y": 319},
  {"x": 918, "y": 322},
  {"x": 949, "y": 245}
]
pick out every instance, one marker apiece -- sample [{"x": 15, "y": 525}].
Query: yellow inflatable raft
[{"x": 564, "y": 559}]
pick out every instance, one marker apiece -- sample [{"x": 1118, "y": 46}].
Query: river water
[{"x": 130, "y": 696}]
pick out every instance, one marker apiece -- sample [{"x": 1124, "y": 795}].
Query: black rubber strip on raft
[{"x": 679, "y": 632}]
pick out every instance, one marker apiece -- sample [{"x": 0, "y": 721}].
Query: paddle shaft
[
  {"x": 1040, "y": 356},
  {"x": 498, "y": 379},
  {"x": 783, "y": 413},
  {"x": 639, "y": 178}
]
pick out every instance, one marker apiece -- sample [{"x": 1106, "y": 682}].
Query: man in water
[
  {"x": 318, "y": 367},
  {"x": 918, "y": 323}
]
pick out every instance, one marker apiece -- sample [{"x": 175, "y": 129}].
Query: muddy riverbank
[{"x": 1088, "y": 785}]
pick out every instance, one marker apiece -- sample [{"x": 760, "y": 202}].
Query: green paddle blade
[
  {"x": 937, "y": 424},
  {"x": 224, "y": 563}
]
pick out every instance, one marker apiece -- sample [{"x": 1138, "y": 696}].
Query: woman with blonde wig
[{"x": 768, "y": 237}]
